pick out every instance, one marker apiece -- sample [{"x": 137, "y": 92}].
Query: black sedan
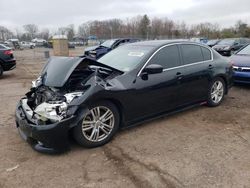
[
  {"x": 7, "y": 60},
  {"x": 229, "y": 46},
  {"x": 129, "y": 85},
  {"x": 95, "y": 52}
]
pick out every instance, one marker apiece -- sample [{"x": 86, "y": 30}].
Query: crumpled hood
[
  {"x": 241, "y": 60},
  {"x": 91, "y": 48},
  {"x": 58, "y": 69}
]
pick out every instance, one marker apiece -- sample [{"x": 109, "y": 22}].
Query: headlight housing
[{"x": 55, "y": 110}]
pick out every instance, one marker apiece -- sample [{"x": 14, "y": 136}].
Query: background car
[
  {"x": 25, "y": 44},
  {"x": 7, "y": 60},
  {"x": 131, "y": 84},
  {"x": 13, "y": 44},
  {"x": 241, "y": 65},
  {"x": 201, "y": 40},
  {"x": 229, "y": 46},
  {"x": 213, "y": 42},
  {"x": 96, "y": 52}
]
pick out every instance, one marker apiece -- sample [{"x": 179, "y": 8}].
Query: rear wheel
[
  {"x": 216, "y": 92},
  {"x": 1, "y": 70},
  {"x": 98, "y": 126}
]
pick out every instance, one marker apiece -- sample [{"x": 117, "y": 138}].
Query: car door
[
  {"x": 157, "y": 93},
  {"x": 196, "y": 72}
]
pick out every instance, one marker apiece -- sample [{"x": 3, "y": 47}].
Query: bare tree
[
  {"x": 31, "y": 29},
  {"x": 5, "y": 33}
]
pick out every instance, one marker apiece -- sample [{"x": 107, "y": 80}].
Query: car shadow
[
  {"x": 242, "y": 86},
  {"x": 6, "y": 76}
]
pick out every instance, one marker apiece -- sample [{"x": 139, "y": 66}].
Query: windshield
[
  {"x": 227, "y": 42},
  {"x": 244, "y": 51},
  {"x": 125, "y": 58},
  {"x": 211, "y": 42},
  {"x": 108, "y": 43}
]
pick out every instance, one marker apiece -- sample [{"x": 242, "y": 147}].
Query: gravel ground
[{"x": 202, "y": 147}]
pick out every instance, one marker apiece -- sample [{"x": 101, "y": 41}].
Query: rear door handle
[
  {"x": 210, "y": 66},
  {"x": 179, "y": 75}
]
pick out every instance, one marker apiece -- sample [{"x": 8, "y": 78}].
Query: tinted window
[
  {"x": 191, "y": 53},
  {"x": 206, "y": 54},
  {"x": 167, "y": 57}
]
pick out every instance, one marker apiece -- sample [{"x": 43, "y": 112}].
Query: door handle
[
  {"x": 179, "y": 75},
  {"x": 210, "y": 66}
]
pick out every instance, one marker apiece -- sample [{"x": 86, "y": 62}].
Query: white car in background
[{"x": 25, "y": 44}]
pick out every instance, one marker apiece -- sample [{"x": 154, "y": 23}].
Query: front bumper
[
  {"x": 241, "y": 77},
  {"x": 52, "y": 138}
]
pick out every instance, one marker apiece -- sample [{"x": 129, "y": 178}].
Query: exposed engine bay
[{"x": 49, "y": 103}]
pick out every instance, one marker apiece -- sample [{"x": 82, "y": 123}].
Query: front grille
[{"x": 242, "y": 69}]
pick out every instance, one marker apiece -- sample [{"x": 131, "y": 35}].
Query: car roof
[{"x": 159, "y": 43}]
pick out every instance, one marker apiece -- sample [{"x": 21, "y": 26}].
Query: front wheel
[
  {"x": 98, "y": 126},
  {"x": 216, "y": 92}
]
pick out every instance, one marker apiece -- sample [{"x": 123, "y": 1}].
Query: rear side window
[
  {"x": 206, "y": 54},
  {"x": 191, "y": 53},
  {"x": 168, "y": 57}
]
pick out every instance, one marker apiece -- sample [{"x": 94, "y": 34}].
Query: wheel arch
[
  {"x": 119, "y": 107},
  {"x": 225, "y": 81}
]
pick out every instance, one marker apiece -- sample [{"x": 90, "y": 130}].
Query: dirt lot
[{"x": 203, "y": 147}]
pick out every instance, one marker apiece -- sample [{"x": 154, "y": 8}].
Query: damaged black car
[{"x": 131, "y": 84}]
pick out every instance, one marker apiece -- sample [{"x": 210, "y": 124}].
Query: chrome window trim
[{"x": 179, "y": 43}]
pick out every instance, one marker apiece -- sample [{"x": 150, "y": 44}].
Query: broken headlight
[{"x": 55, "y": 110}]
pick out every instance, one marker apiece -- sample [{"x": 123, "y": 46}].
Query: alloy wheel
[
  {"x": 98, "y": 124},
  {"x": 217, "y": 91}
]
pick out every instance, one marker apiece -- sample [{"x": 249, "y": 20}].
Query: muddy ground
[{"x": 202, "y": 147}]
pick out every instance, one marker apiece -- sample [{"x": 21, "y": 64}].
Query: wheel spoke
[
  {"x": 86, "y": 122},
  {"x": 219, "y": 86},
  {"x": 88, "y": 127},
  {"x": 106, "y": 116},
  {"x": 105, "y": 132}
]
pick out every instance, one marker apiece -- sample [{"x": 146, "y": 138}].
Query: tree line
[{"x": 137, "y": 27}]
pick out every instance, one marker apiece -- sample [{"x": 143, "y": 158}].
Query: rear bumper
[
  {"x": 241, "y": 77},
  {"x": 51, "y": 138},
  {"x": 9, "y": 65}
]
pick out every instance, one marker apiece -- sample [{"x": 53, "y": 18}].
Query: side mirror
[{"x": 153, "y": 69}]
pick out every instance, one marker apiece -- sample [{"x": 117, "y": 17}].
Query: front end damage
[{"x": 47, "y": 113}]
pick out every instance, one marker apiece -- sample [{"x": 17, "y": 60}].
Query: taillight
[{"x": 8, "y": 52}]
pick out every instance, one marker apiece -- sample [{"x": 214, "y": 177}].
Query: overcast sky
[{"x": 57, "y": 13}]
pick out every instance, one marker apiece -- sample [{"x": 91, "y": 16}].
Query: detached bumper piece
[{"x": 52, "y": 138}]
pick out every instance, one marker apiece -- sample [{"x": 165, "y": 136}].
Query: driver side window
[{"x": 167, "y": 57}]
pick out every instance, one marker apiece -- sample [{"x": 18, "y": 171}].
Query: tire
[
  {"x": 216, "y": 92},
  {"x": 1, "y": 70},
  {"x": 96, "y": 131}
]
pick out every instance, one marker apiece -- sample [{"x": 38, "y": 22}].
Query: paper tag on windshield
[{"x": 136, "y": 54}]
